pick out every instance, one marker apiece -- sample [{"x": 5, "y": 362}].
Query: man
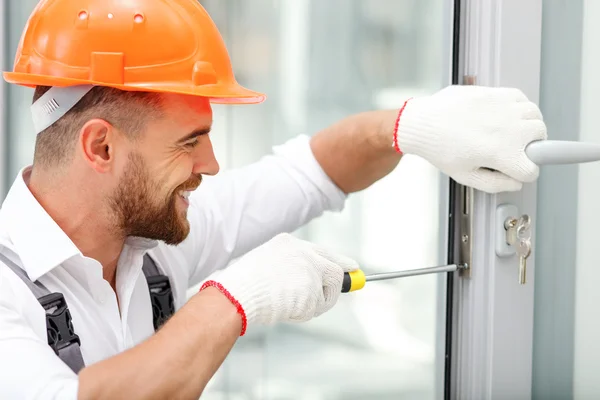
[{"x": 122, "y": 111}]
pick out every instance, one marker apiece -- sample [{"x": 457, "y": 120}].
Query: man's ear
[{"x": 97, "y": 142}]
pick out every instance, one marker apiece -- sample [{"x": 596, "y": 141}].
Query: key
[
  {"x": 523, "y": 225},
  {"x": 523, "y": 245},
  {"x": 523, "y": 251}
]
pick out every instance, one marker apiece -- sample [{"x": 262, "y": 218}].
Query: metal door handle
[{"x": 552, "y": 152}]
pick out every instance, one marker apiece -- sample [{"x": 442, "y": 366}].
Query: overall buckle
[
  {"x": 58, "y": 322},
  {"x": 161, "y": 295}
]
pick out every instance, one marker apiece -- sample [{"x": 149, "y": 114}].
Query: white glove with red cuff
[
  {"x": 477, "y": 135},
  {"x": 284, "y": 280}
]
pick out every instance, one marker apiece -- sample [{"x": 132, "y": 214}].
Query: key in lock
[
  {"x": 518, "y": 235},
  {"x": 523, "y": 245}
]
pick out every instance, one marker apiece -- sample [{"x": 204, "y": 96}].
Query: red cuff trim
[
  {"x": 396, "y": 146},
  {"x": 232, "y": 299}
]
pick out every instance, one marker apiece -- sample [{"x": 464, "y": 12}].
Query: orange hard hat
[{"x": 151, "y": 45}]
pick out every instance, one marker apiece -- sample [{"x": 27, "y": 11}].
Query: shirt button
[{"x": 101, "y": 298}]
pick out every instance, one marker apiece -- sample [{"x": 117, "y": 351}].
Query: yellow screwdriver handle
[{"x": 354, "y": 280}]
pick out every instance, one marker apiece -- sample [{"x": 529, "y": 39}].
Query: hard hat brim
[{"x": 220, "y": 93}]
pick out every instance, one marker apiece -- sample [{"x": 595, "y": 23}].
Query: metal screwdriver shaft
[
  {"x": 414, "y": 272},
  {"x": 356, "y": 280}
]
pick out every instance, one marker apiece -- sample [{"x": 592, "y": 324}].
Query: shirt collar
[{"x": 38, "y": 240}]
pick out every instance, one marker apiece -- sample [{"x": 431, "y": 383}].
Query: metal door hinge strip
[{"x": 466, "y": 230}]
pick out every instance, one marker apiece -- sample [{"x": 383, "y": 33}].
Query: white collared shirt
[{"x": 229, "y": 215}]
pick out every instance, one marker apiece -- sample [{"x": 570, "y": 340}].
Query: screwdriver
[{"x": 355, "y": 280}]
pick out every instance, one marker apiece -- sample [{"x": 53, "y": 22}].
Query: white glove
[
  {"x": 284, "y": 280},
  {"x": 468, "y": 131}
]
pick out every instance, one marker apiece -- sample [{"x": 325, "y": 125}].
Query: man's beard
[{"x": 139, "y": 213}]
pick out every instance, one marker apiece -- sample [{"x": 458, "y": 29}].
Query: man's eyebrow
[{"x": 193, "y": 134}]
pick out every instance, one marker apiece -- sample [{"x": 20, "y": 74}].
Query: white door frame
[{"x": 492, "y": 325}]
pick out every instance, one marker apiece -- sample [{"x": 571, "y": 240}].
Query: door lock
[{"x": 513, "y": 235}]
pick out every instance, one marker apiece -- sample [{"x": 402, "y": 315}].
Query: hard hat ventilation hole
[
  {"x": 82, "y": 15},
  {"x": 110, "y": 16},
  {"x": 139, "y": 18}
]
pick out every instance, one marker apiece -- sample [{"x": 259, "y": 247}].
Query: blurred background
[{"x": 319, "y": 61}]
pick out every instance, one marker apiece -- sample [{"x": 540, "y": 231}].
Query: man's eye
[{"x": 192, "y": 144}]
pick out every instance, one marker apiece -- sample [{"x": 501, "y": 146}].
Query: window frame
[{"x": 491, "y": 347}]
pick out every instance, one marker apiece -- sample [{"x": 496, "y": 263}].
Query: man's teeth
[{"x": 185, "y": 194}]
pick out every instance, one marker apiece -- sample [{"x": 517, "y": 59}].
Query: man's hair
[{"x": 126, "y": 110}]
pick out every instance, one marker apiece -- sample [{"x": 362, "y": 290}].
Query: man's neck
[{"x": 83, "y": 219}]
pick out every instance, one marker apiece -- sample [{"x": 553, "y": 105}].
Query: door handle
[{"x": 553, "y": 152}]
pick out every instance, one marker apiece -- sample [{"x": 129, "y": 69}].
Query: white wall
[
  {"x": 587, "y": 298},
  {"x": 557, "y": 211}
]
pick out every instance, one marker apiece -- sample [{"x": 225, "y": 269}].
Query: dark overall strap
[
  {"x": 59, "y": 328},
  {"x": 61, "y": 335},
  {"x": 161, "y": 295}
]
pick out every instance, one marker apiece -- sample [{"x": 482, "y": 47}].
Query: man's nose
[{"x": 205, "y": 162}]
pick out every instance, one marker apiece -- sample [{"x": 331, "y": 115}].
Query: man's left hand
[{"x": 477, "y": 135}]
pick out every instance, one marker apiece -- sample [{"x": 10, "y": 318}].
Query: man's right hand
[{"x": 284, "y": 280}]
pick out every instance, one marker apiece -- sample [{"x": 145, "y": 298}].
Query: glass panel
[{"x": 319, "y": 61}]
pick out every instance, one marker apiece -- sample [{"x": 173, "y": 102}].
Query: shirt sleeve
[
  {"x": 30, "y": 369},
  {"x": 240, "y": 209}
]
